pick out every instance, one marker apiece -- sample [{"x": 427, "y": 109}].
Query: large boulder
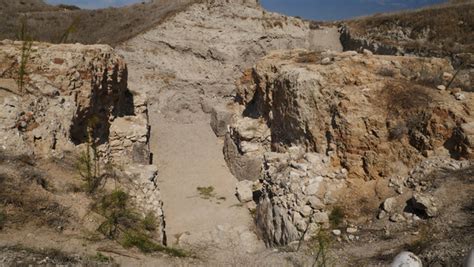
[{"x": 424, "y": 205}]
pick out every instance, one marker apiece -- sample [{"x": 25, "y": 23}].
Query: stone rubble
[{"x": 308, "y": 128}]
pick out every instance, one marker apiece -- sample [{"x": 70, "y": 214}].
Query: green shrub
[
  {"x": 336, "y": 216},
  {"x": 116, "y": 212},
  {"x": 88, "y": 163},
  {"x": 99, "y": 257},
  {"x": 146, "y": 245},
  {"x": 25, "y": 53},
  {"x": 320, "y": 247},
  {"x": 149, "y": 223},
  {"x": 122, "y": 223},
  {"x": 206, "y": 192}
]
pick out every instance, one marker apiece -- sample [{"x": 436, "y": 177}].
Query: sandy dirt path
[{"x": 190, "y": 156}]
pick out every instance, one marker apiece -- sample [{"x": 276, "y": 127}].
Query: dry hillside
[
  {"x": 446, "y": 30},
  {"x": 216, "y": 133},
  {"x": 69, "y": 24}
]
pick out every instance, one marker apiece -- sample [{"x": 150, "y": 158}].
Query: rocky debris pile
[
  {"x": 71, "y": 97},
  {"x": 416, "y": 191},
  {"x": 309, "y": 122}
]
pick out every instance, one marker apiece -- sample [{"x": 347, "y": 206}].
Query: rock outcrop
[
  {"x": 311, "y": 121},
  {"x": 70, "y": 97},
  {"x": 217, "y": 40}
]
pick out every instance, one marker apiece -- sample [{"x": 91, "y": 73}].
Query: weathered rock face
[
  {"x": 336, "y": 116},
  {"x": 67, "y": 89},
  {"x": 217, "y": 40},
  {"x": 74, "y": 95}
]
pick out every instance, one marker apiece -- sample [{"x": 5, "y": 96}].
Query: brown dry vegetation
[
  {"x": 442, "y": 29},
  {"x": 108, "y": 26},
  {"x": 25, "y": 196}
]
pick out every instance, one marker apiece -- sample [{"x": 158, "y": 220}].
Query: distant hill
[
  {"x": 108, "y": 26},
  {"x": 441, "y": 31}
]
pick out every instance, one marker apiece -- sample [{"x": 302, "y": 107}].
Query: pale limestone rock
[
  {"x": 336, "y": 232},
  {"x": 221, "y": 118},
  {"x": 406, "y": 259},
  {"x": 388, "y": 204},
  {"x": 244, "y": 191},
  {"x": 321, "y": 217}
]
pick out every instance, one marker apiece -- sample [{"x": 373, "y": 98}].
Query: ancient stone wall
[
  {"x": 308, "y": 123},
  {"x": 73, "y": 96}
]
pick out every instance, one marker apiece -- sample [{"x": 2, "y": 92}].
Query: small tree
[
  {"x": 88, "y": 164},
  {"x": 25, "y": 53}
]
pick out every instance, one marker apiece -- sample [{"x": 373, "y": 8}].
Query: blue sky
[{"x": 311, "y": 9}]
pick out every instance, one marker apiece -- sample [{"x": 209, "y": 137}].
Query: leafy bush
[
  {"x": 122, "y": 223},
  {"x": 115, "y": 209}
]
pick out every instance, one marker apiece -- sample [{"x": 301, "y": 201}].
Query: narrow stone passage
[{"x": 190, "y": 156}]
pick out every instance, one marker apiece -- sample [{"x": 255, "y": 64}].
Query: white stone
[
  {"x": 306, "y": 211},
  {"x": 397, "y": 218},
  {"x": 326, "y": 61},
  {"x": 447, "y": 76},
  {"x": 441, "y": 87},
  {"x": 336, "y": 232},
  {"x": 247, "y": 147},
  {"x": 300, "y": 166},
  {"x": 406, "y": 259},
  {"x": 351, "y": 230},
  {"x": 460, "y": 96},
  {"x": 312, "y": 189},
  {"x": 367, "y": 52},
  {"x": 315, "y": 203},
  {"x": 321, "y": 217},
  {"x": 388, "y": 204},
  {"x": 244, "y": 191}
]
